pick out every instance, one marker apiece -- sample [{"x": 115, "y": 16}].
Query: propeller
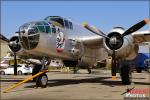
[
  {"x": 13, "y": 45},
  {"x": 116, "y": 41},
  {"x": 135, "y": 27},
  {"x": 2, "y": 37},
  {"x": 94, "y": 30}
]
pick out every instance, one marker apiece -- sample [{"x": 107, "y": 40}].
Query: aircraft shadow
[
  {"x": 100, "y": 80},
  {"x": 141, "y": 83},
  {"x": 138, "y": 78},
  {"x": 62, "y": 82}
]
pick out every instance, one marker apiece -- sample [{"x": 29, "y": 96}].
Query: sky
[{"x": 103, "y": 14}]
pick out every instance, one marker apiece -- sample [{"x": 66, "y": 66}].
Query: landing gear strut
[
  {"x": 35, "y": 70},
  {"x": 89, "y": 70},
  {"x": 42, "y": 80}
]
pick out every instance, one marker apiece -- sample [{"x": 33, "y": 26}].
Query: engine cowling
[
  {"x": 15, "y": 46},
  {"x": 123, "y": 47}
]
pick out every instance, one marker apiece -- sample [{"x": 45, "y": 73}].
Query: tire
[
  {"x": 126, "y": 74},
  {"x": 2, "y": 73},
  {"x": 42, "y": 81},
  {"x": 20, "y": 73},
  {"x": 35, "y": 70}
]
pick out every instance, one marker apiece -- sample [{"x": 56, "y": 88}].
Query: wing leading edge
[
  {"x": 92, "y": 41},
  {"x": 141, "y": 36}
]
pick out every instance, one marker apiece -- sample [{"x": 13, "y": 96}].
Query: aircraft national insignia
[{"x": 60, "y": 42}]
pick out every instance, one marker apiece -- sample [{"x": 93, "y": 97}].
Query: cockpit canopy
[{"x": 59, "y": 21}]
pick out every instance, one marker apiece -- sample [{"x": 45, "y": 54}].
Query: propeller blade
[
  {"x": 94, "y": 30},
  {"x": 2, "y": 37},
  {"x": 113, "y": 65},
  {"x": 135, "y": 27},
  {"x": 15, "y": 64}
]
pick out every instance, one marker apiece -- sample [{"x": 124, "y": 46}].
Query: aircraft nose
[{"x": 28, "y": 36}]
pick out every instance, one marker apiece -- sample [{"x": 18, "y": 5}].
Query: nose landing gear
[
  {"x": 41, "y": 80},
  {"x": 28, "y": 79}
]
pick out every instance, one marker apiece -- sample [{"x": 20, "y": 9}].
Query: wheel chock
[
  {"x": 25, "y": 80},
  {"x": 114, "y": 77}
]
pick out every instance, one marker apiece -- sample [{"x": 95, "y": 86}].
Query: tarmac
[{"x": 68, "y": 86}]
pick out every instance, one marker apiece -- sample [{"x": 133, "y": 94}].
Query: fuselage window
[{"x": 53, "y": 29}]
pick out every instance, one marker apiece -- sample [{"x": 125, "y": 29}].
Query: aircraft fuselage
[{"x": 57, "y": 41}]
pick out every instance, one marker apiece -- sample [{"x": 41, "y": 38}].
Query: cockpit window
[
  {"x": 40, "y": 27},
  {"x": 56, "y": 20},
  {"x": 36, "y": 27},
  {"x": 46, "y": 27},
  {"x": 59, "y": 21}
]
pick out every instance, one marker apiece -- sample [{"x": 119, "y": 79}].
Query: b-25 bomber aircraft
[{"x": 76, "y": 45}]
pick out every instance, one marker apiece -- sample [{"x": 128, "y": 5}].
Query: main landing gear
[
  {"x": 41, "y": 80},
  {"x": 125, "y": 73}
]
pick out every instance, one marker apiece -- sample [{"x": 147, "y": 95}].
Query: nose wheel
[{"x": 42, "y": 81}]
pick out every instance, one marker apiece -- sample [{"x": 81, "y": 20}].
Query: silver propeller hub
[{"x": 113, "y": 40}]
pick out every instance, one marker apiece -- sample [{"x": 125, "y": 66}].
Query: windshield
[
  {"x": 36, "y": 27},
  {"x": 56, "y": 20}
]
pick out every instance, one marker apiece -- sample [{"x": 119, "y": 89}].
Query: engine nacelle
[
  {"x": 15, "y": 46},
  {"x": 123, "y": 46}
]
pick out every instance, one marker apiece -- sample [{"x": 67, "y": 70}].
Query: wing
[
  {"x": 94, "y": 41},
  {"x": 141, "y": 36}
]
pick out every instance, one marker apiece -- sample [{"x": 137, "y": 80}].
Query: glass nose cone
[
  {"x": 28, "y": 36},
  {"x": 29, "y": 33}
]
